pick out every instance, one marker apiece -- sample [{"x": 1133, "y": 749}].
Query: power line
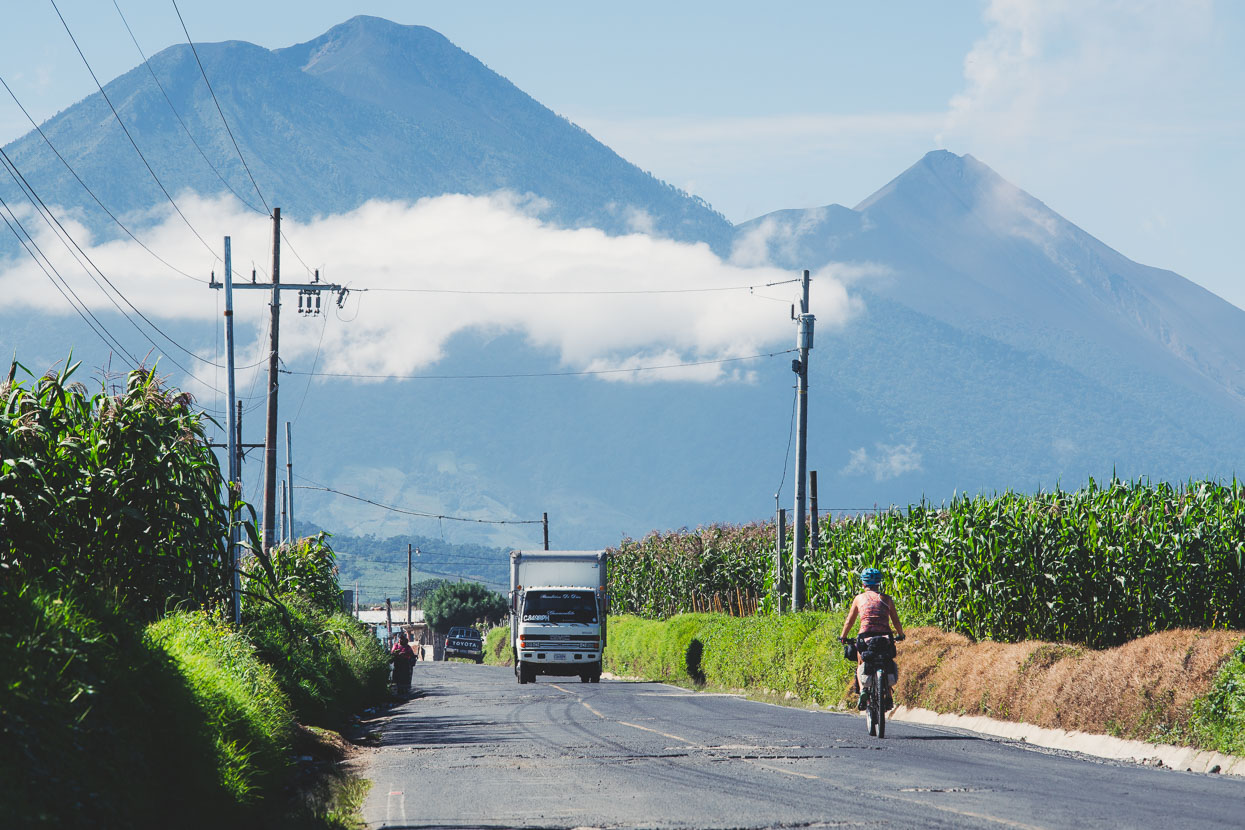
[
  {"x": 416, "y": 512},
  {"x": 58, "y": 281},
  {"x": 176, "y": 114},
  {"x": 580, "y": 292},
  {"x": 195, "y": 51},
  {"x": 579, "y": 373},
  {"x": 221, "y": 112},
  {"x": 315, "y": 361},
  {"x": 786, "y": 459},
  {"x": 85, "y": 187},
  {"x": 50, "y": 218},
  {"x": 126, "y": 130}
]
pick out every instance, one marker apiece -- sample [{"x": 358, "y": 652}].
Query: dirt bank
[{"x": 1142, "y": 689}]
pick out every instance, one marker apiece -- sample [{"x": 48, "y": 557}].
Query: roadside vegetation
[
  {"x": 128, "y": 698},
  {"x": 1098, "y": 566}
]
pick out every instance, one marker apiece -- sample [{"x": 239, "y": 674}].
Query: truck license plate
[{"x": 559, "y": 656}]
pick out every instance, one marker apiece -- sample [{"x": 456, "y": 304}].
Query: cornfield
[
  {"x": 115, "y": 493},
  {"x": 1098, "y": 566}
]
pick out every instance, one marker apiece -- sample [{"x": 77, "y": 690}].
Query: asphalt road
[{"x": 475, "y": 749}]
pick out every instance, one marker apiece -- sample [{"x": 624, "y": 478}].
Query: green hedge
[
  {"x": 1218, "y": 720},
  {"x": 497, "y": 650},
  {"x": 797, "y": 653}
]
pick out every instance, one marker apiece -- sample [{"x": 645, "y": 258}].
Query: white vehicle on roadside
[{"x": 558, "y": 608}]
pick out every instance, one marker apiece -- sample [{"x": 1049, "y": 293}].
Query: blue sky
[{"x": 1125, "y": 117}]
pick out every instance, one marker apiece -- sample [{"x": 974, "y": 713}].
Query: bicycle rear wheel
[{"x": 879, "y": 702}]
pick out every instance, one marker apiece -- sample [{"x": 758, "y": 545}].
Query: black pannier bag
[
  {"x": 849, "y": 650},
  {"x": 876, "y": 649}
]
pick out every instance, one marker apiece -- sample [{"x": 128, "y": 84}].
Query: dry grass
[{"x": 1141, "y": 689}]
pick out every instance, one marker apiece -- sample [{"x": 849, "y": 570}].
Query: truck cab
[{"x": 558, "y": 608}]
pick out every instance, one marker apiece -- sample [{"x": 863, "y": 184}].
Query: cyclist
[{"x": 876, "y": 612}]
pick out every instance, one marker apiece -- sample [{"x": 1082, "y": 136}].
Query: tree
[
  {"x": 423, "y": 589},
  {"x": 463, "y": 603}
]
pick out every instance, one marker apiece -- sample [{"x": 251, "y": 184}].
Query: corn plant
[
  {"x": 1098, "y": 566},
  {"x": 116, "y": 493}
]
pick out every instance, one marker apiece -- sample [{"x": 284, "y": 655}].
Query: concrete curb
[{"x": 1102, "y": 746}]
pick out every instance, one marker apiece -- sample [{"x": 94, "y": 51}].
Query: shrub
[
  {"x": 463, "y": 603},
  {"x": 329, "y": 665},
  {"x": 797, "y": 653},
  {"x": 307, "y": 567},
  {"x": 497, "y": 650}
]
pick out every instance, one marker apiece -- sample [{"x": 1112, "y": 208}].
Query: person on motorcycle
[{"x": 876, "y": 611}]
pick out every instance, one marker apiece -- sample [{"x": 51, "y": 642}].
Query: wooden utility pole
[
  {"x": 804, "y": 342},
  {"x": 274, "y": 365},
  {"x": 268, "y": 526},
  {"x": 233, "y": 432},
  {"x": 408, "y": 583},
  {"x": 544, "y": 520}
]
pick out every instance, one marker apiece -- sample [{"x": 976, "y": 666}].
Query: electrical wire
[
  {"x": 87, "y": 188},
  {"x": 63, "y": 234},
  {"x": 194, "y": 49},
  {"x": 126, "y": 130},
  {"x": 315, "y": 361},
  {"x": 176, "y": 114},
  {"x": 421, "y": 514},
  {"x": 219, "y": 111},
  {"x": 63, "y": 286},
  {"x": 578, "y": 292},
  {"x": 786, "y": 460},
  {"x": 578, "y": 373}
]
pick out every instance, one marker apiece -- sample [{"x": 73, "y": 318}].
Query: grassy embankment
[{"x": 127, "y": 699}]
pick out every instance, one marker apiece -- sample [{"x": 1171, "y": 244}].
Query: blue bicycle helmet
[{"x": 871, "y": 577}]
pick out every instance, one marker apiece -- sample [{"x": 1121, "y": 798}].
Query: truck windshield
[{"x": 560, "y": 607}]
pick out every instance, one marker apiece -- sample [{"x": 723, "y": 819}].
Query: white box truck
[{"x": 557, "y": 613}]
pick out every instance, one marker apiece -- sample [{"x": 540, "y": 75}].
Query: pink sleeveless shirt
[{"x": 874, "y": 608}]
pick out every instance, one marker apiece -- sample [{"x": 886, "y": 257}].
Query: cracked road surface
[{"x": 475, "y": 749}]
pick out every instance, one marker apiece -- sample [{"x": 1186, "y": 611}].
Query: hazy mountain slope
[
  {"x": 1018, "y": 339},
  {"x": 381, "y": 111}
]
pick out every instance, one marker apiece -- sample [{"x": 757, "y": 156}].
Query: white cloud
[
  {"x": 471, "y": 245},
  {"x": 888, "y": 461},
  {"x": 1082, "y": 71}
]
